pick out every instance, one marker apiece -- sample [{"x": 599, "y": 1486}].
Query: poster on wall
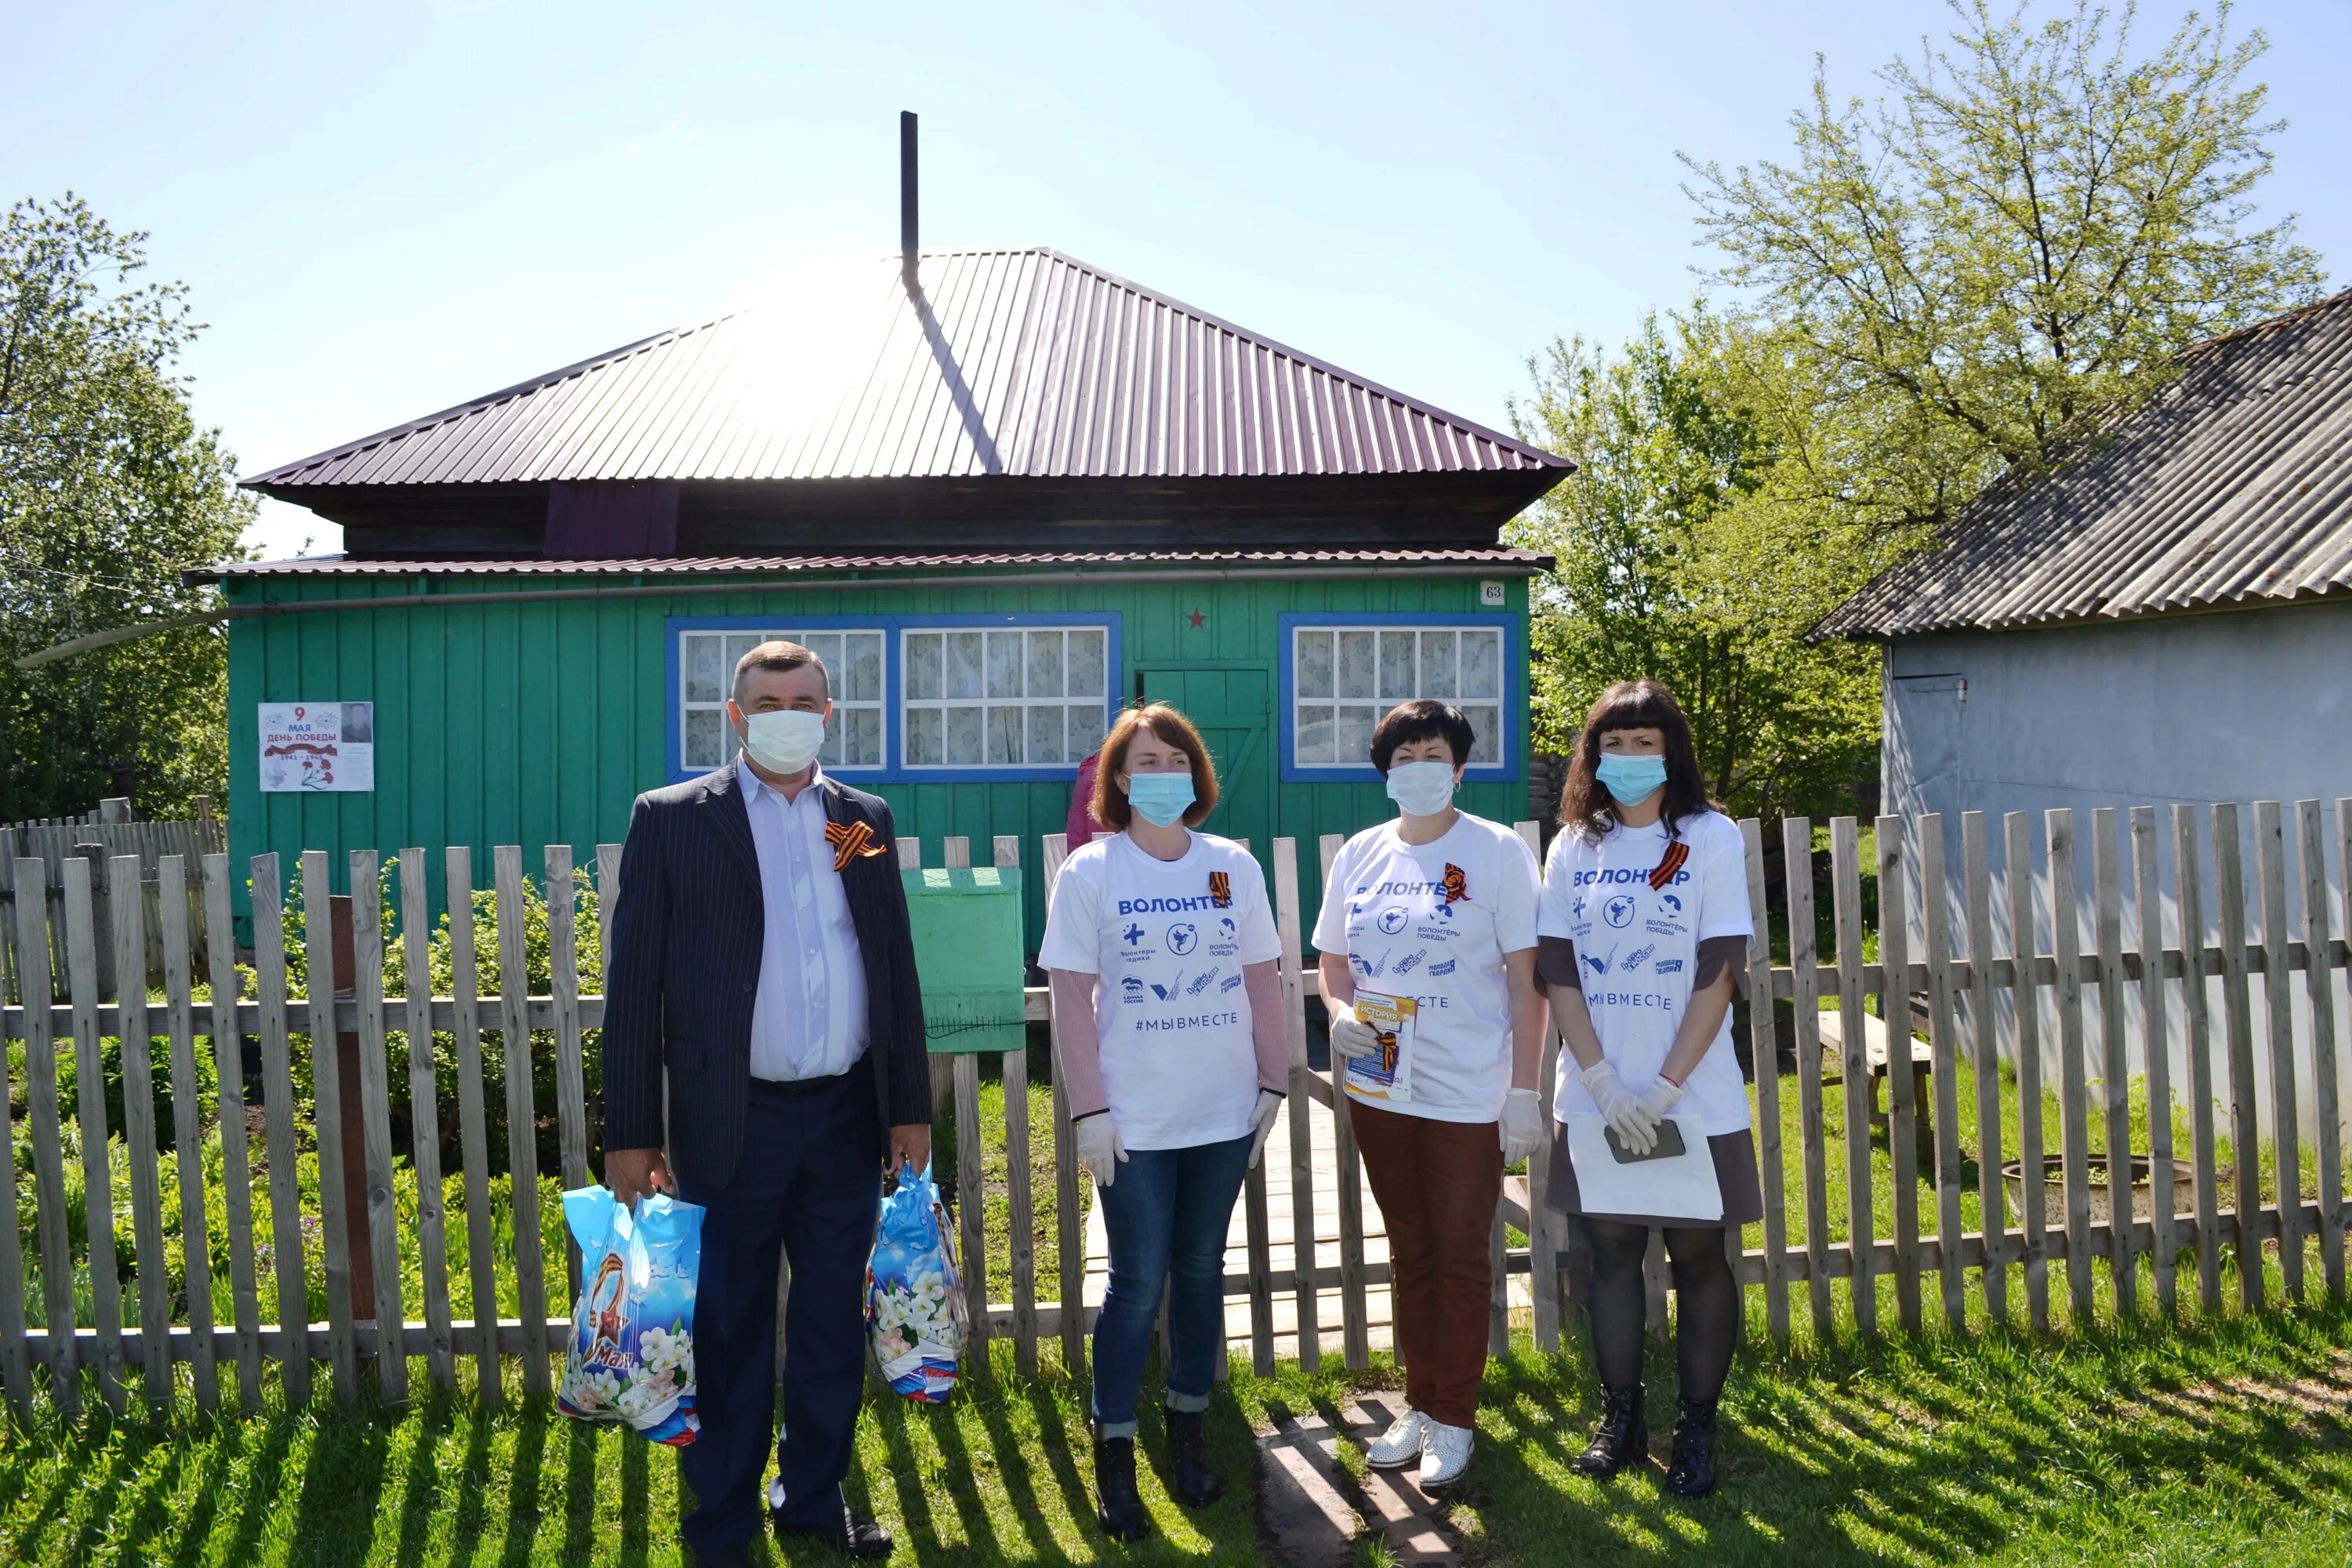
[{"x": 317, "y": 747}]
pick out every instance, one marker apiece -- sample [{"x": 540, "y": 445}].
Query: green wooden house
[{"x": 1002, "y": 492}]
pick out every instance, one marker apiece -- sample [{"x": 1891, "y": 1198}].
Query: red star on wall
[{"x": 1199, "y": 619}]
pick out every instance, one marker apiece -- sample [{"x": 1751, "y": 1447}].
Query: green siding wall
[{"x": 539, "y": 723}]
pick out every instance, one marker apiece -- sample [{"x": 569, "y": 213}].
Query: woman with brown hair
[
  {"x": 1643, "y": 942},
  {"x": 1164, "y": 938}
]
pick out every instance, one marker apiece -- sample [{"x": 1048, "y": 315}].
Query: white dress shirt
[{"x": 808, "y": 1019}]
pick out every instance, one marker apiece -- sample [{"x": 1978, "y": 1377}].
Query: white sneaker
[
  {"x": 1445, "y": 1453},
  {"x": 1401, "y": 1445}
]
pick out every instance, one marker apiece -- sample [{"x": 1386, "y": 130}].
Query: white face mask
[
  {"x": 1421, "y": 789},
  {"x": 783, "y": 742}
]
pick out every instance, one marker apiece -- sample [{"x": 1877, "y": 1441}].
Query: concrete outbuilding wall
[{"x": 2236, "y": 705}]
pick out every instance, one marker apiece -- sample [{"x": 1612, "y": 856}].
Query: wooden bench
[{"x": 1876, "y": 1048}]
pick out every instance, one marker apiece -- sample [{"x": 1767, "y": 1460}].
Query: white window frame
[
  {"x": 825, "y": 637},
  {"x": 1095, "y": 707},
  {"x": 1491, "y": 713}
]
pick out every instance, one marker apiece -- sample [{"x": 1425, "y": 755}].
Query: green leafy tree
[
  {"x": 1975, "y": 270},
  {"x": 109, "y": 490},
  {"x": 1683, "y": 555}
]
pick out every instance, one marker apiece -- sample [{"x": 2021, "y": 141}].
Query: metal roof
[
  {"x": 1023, "y": 362},
  {"x": 1500, "y": 557},
  {"x": 2232, "y": 486}
]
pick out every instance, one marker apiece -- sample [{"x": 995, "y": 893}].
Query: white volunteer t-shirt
[
  {"x": 1433, "y": 921},
  {"x": 1636, "y": 947},
  {"x": 1166, "y": 941}
]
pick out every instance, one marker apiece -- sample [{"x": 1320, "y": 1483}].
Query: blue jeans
[{"x": 1166, "y": 1214}]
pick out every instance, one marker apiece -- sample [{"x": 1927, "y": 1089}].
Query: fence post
[
  {"x": 32, "y": 944},
  {"x": 2311, "y": 850},
  {"x": 2245, "y": 1140},
  {"x": 2198, "y": 1041},
  {"x": 1846, "y": 887},
  {"x": 1992, "y": 1191},
  {"x": 1069, "y": 1228},
  {"x": 1902, "y": 1083},
  {"x": 2115, "y": 1054},
  {"x": 2156, "y": 1056},
  {"x": 1302, "y": 1131},
  {"x": 2278, "y": 1013},
  {"x": 1804, "y": 987}
]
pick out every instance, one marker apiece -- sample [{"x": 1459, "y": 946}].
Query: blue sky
[{"x": 383, "y": 211}]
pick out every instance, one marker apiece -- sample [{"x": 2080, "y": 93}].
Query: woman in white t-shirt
[
  {"x": 1644, "y": 943},
  {"x": 1428, "y": 928},
  {"x": 1164, "y": 939}
]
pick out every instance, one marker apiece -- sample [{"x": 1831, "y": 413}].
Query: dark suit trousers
[{"x": 809, "y": 1184}]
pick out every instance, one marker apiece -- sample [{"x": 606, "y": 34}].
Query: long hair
[
  {"x": 1110, "y": 806},
  {"x": 1643, "y": 704}
]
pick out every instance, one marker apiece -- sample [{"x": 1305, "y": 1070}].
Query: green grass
[{"x": 2227, "y": 1442}]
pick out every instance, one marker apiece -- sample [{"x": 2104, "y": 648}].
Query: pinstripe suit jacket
[{"x": 686, "y": 932}]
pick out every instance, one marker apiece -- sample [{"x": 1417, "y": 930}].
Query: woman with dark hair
[
  {"x": 1427, "y": 940},
  {"x": 1163, "y": 937},
  {"x": 1642, "y": 942}
]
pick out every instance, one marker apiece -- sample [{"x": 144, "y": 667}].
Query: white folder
[{"x": 1678, "y": 1186}]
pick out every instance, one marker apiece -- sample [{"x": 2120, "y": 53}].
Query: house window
[
  {"x": 1002, "y": 697},
  {"x": 706, "y": 666},
  {"x": 1345, "y": 677}
]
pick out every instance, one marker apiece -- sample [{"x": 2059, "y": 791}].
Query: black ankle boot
[
  {"x": 1119, "y": 1510},
  {"x": 1621, "y": 1438},
  {"x": 1691, "y": 1472},
  {"x": 1196, "y": 1485}
]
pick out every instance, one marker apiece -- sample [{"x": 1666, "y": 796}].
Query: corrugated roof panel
[
  {"x": 1030, "y": 364},
  {"x": 2233, "y": 486},
  {"x": 341, "y": 566}
]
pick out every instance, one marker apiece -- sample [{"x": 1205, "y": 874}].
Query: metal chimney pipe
[{"x": 909, "y": 246}]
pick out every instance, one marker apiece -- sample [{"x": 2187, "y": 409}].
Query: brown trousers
[{"x": 1437, "y": 1184}]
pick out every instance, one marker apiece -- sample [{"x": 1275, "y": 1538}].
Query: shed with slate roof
[{"x": 2166, "y": 619}]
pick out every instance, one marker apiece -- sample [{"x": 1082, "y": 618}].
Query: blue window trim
[
  {"x": 894, "y": 768},
  {"x": 1514, "y": 696}
]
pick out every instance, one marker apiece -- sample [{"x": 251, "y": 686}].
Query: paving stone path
[{"x": 1314, "y": 1511}]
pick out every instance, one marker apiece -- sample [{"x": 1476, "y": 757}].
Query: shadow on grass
[
  {"x": 342, "y": 1482},
  {"x": 1936, "y": 1450}
]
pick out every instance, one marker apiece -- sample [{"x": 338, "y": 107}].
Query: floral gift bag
[
  {"x": 630, "y": 1355},
  {"x": 914, "y": 1298}
]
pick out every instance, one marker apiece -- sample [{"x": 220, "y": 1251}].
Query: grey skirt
[{"x": 1735, "y": 1173}]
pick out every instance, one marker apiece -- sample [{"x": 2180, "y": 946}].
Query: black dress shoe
[
  {"x": 1620, "y": 1439},
  {"x": 719, "y": 1557},
  {"x": 1691, "y": 1471},
  {"x": 854, "y": 1535}
]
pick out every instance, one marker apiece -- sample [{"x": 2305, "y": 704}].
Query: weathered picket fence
[
  {"x": 52, "y": 841},
  {"x": 366, "y": 1239}
]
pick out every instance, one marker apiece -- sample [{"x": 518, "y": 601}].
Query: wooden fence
[
  {"x": 51, "y": 842},
  {"x": 364, "y": 1240}
]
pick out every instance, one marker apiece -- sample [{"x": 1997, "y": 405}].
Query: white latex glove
[
  {"x": 1351, "y": 1036},
  {"x": 1661, "y": 1094},
  {"x": 1262, "y": 1122},
  {"x": 1521, "y": 1129},
  {"x": 1636, "y": 1124},
  {"x": 1099, "y": 1148}
]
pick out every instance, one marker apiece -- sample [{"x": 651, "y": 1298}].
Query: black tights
[{"x": 1706, "y": 1309}]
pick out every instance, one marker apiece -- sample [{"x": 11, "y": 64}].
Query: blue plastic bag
[
  {"x": 915, "y": 1313},
  {"x": 631, "y": 1354}
]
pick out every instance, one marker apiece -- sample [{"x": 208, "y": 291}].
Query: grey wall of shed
[{"x": 2239, "y": 706}]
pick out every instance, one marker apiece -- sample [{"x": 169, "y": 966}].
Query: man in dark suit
[{"x": 762, "y": 958}]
